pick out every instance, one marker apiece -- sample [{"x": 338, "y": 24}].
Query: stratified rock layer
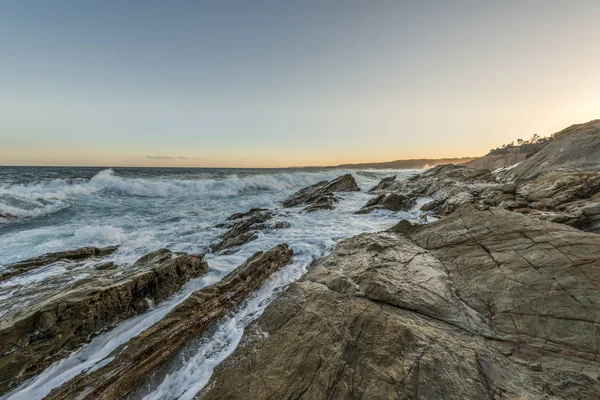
[
  {"x": 84, "y": 253},
  {"x": 40, "y": 326},
  {"x": 145, "y": 353},
  {"x": 481, "y": 305}
]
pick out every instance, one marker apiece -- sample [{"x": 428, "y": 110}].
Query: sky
[{"x": 288, "y": 83}]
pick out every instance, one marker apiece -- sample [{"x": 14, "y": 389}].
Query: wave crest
[{"x": 24, "y": 201}]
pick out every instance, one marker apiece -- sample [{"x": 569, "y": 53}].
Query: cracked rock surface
[{"x": 484, "y": 304}]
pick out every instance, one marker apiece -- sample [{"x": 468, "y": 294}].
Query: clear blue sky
[{"x": 277, "y": 83}]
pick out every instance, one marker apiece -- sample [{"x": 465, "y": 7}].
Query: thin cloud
[{"x": 174, "y": 158}]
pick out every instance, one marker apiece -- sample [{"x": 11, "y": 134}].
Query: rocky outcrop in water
[
  {"x": 321, "y": 195},
  {"x": 81, "y": 254},
  {"x": 145, "y": 353},
  {"x": 383, "y": 184},
  {"x": 43, "y": 323},
  {"x": 243, "y": 228},
  {"x": 486, "y": 304},
  {"x": 388, "y": 201}
]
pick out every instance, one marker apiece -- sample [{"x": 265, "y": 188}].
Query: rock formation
[
  {"x": 383, "y": 184},
  {"x": 501, "y": 158},
  {"x": 321, "y": 195},
  {"x": 243, "y": 228},
  {"x": 388, "y": 201},
  {"x": 576, "y": 148},
  {"x": 145, "y": 353},
  {"x": 450, "y": 186},
  {"x": 81, "y": 254},
  {"x": 546, "y": 186},
  {"x": 41, "y": 324},
  {"x": 482, "y": 304}
]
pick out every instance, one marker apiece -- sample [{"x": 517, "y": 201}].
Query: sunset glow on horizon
[{"x": 278, "y": 84}]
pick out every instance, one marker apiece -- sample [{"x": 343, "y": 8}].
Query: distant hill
[{"x": 419, "y": 163}]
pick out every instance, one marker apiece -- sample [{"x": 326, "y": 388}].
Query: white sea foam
[
  {"x": 144, "y": 214},
  {"x": 104, "y": 234},
  {"x": 24, "y": 201},
  {"x": 230, "y": 186}
]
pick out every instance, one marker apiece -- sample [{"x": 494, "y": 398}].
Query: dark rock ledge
[
  {"x": 79, "y": 255},
  {"x": 145, "y": 353},
  {"x": 42, "y": 324}
]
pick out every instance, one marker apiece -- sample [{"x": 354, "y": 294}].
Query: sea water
[{"x": 143, "y": 209}]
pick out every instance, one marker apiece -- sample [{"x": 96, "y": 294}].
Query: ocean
[{"x": 48, "y": 209}]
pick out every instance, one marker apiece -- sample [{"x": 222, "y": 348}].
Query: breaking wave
[
  {"x": 25, "y": 201},
  {"x": 231, "y": 185}
]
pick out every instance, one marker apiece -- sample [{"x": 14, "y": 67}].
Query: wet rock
[
  {"x": 383, "y": 184},
  {"x": 8, "y": 217},
  {"x": 244, "y": 229},
  {"x": 246, "y": 214},
  {"x": 143, "y": 354},
  {"x": 43, "y": 322},
  {"x": 482, "y": 304},
  {"x": 156, "y": 257},
  {"x": 321, "y": 191},
  {"x": 106, "y": 266},
  {"x": 388, "y": 201},
  {"x": 82, "y": 254},
  {"x": 279, "y": 225},
  {"x": 325, "y": 201}
]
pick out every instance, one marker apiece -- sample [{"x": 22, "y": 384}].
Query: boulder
[
  {"x": 42, "y": 323},
  {"x": 387, "y": 201},
  {"x": 144, "y": 354},
  {"x": 314, "y": 193},
  {"x": 482, "y": 304}
]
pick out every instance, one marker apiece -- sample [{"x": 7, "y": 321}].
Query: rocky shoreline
[{"x": 498, "y": 299}]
